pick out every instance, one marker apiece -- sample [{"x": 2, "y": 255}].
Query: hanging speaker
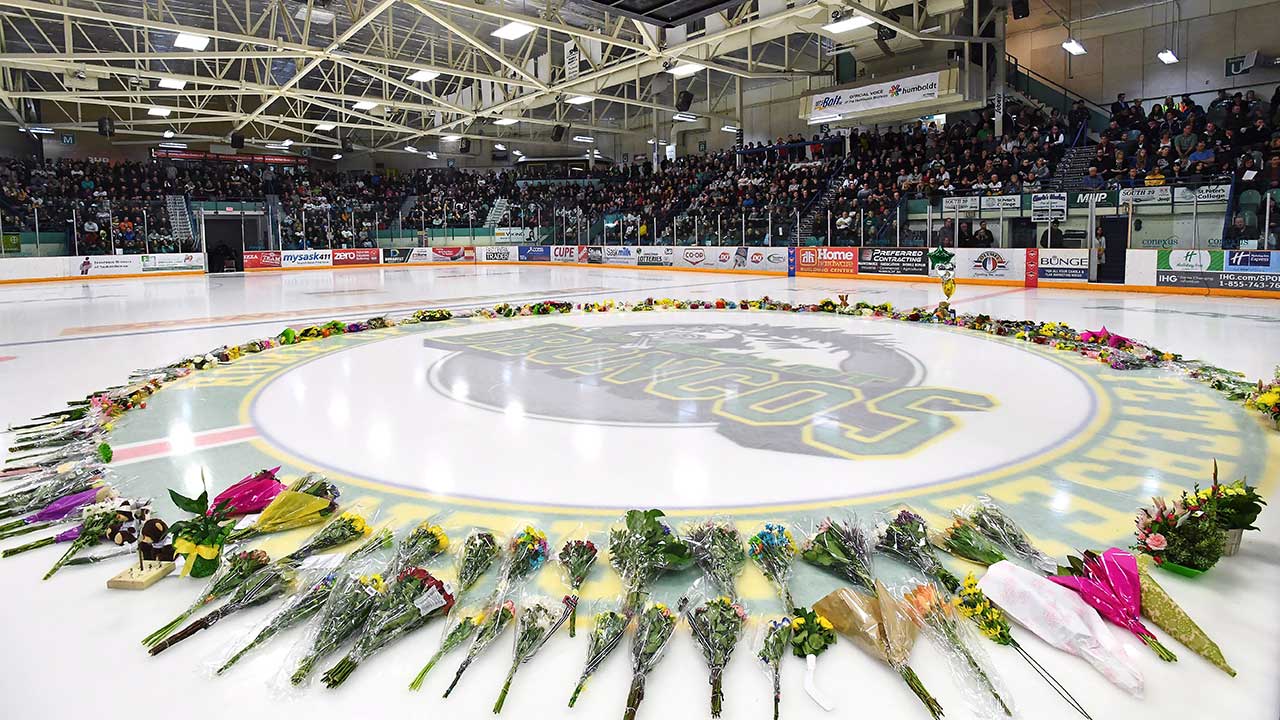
[
  {"x": 465, "y": 146},
  {"x": 346, "y": 145},
  {"x": 557, "y": 133},
  {"x": 237, "y": 142},
  {"x": 1021, "y": 8},
  {"x": 684, "y": 100},
  {"x": 106, "y": 126}
]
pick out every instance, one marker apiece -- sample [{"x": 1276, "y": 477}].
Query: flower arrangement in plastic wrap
[
  {"x": 773, "y": 550},
  {"x": 641, "y": 549},
  {"x": 1266, "y": 398},
  {"x": 1182, "y": 536},
  {"x": 200, "y": 538},
  {"x": 1109, "y": 583},
  {"x": 716, "y": 625}
]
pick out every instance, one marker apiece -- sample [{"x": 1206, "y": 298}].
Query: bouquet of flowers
[
  {"x": 716, "y": 625},
  {"x": 263, "y": 586},
  {"x": 309, "y": 500},
  {"x": 964, "y": 540},
  {"x": 422, "y": 544},
  {"x": 991, "y": 521},
  {"x": 350, "y": 602},
  {"x": 527, "y": 552},
  {"x": 33, "y": 495},
  {"x": 457, "y": 634},
  {"x": 233, "y": 574},
  {"x": 200, "y": 538},
  {"x": 1160, "y": 608},
  {"x": 773, "y": 646},
  {"x": 1184, "y": 534},
  {"x": 415, "y": 597},
  {"x": 341, "y": 530},
  {"x": 880, "y": 626},
  {"x": 298, "y": 609},
  {"x": 772, "y": 549},
  {"x": 717, "y": 547},
  {"x": 811, "y": 635},
  {"x": 843, "y": 549},
  {"x": 576, "y": 559},
  {"x": 643, "y": 548},
  {"x": 251, "y": 495},
  {"x": 95, "y": 521},
  {"x": 309, "y": 601},
  {"x": 906, "y": 536},
  {"x": 538, "y": 622},
  {"x": 606, "y": 635},
  {"x": 1109, "y": 584},
  {"x": 928, "y": 610},
  {"x": 1266, "y": 398},
  {"x": 495, "y": 621},
  {"x": 479, "y": 551},
  {"x": 653, "y": 632},
  {"x": 56, "y": 512},
  {"x": 1238, "y": 503},
  {"x": 1059, "y": 617}
]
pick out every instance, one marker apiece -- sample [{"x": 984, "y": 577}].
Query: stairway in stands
[
  {"x": 496, "y": 213},
  {"x": 1073, "y": 166},
  {"x": 816, "y": 209},
  {"x": 180, "y": 222}
]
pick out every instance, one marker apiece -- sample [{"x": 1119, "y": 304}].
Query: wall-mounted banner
[
  {"x": 1046, "y": 207},
  {"x": 992, "y": 264},
  {"x": 453, "y": 254},
  {"x": 357, "y": 256},
  {"x": 172, "y": 262},
  {"x": 878, "y": 95},
  {"x": 618, "y": 255},
  {"x": 261, "y": 259},
  {"x": 564, "y": 253},
  {"x": 965, "y": 203},
  {"x": 655, "y": 256},
  {"x": 828, "y": 261},
  {"x": 306, "y": 258},
  {"x": 500, "y": 253},
  {"x": 535, "y": 253},
  {"x": 1146, "y": 195},
  {"x": 893, "y": 261},
  {"x": 1002, "y": 202},
  {"x": 1069, "y": 264}
]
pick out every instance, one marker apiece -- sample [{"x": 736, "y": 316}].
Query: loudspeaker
[
  {"x": 346, "y": 145},
  {"x": 684, "y": 100},
  {"x": 557, "y": 133},
  {"x": 237, "y": 142},
  {"x": 1021, "y": 8},
  {"x": 106, "y": 126},
  {"x": 465, "y": 146}
]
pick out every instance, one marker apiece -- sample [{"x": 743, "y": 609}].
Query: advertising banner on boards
[{"x": 893, "y": 261}]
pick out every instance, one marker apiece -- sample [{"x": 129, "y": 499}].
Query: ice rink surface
[{"x": 439, "y": 417}]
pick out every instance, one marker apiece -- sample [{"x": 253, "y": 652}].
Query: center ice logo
[{"x": 798, "y": 389}]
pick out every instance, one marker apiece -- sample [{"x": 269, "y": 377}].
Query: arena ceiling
[{"x": 304, "y": 72}]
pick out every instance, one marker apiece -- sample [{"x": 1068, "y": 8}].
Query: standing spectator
[
  {"x": 1118, "y": 107},
  {"x": 982, "y": 237}
]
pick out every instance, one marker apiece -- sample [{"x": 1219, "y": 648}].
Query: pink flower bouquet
[{"x": 1109, "y": 584}]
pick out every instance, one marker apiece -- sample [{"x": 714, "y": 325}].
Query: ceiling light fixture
[
  {"x": 432, "y": 156},
  {"x": 364, "y": 105},
  {"x": 172, "y": 84},
  {"x": 579, "y": 100},
  {"x": 159, "y": 112},
  {"x": 731, "y": 128},
  {"x": 686, "y": 69},
  {"x": 847, "y": 24},
  {"x": 684, "y": 117},
  {"x": 583, "y": 139},
  {"x": 336, "y": 156},
  {"x": 168, "y": 134},
  {"x": 191, "y": 41},
  {"x": 424, "y": 76},
  {"x": 411, "y": 148},
  {"x": 506, "y": 121},
  {"x": 1074, "y": 47},
  {"x": 174, "y": 145},
  {"x": 513, "y": 30},
  {"x": 325, "y": 127},
  {"x": 499, "y": 146},
  {"x": 451, "y": 138},
  {"x": 1167, "y": 57},
  {"x": 40, "y": 130}
]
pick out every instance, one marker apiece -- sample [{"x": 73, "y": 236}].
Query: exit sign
[{"x": 68, "y": 139}]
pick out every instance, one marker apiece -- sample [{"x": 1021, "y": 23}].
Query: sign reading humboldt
[
  {"x": 877, "y": 95},
  {"x": 893, "y": 261},
  {"x": 760, "y": 384}
]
